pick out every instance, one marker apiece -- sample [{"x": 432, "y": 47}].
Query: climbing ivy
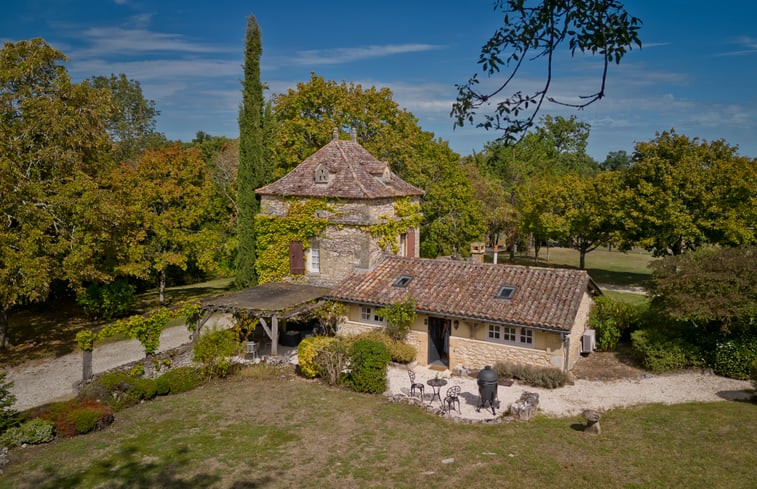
[
  {"x": 145, "y": 328},
  {"x": 274, "y": 234},
  {"x": 407, "y": 215}
]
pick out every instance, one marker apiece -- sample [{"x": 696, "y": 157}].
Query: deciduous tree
[
  {"x": 54, "y": 221},
  {"x": 536, "y": 31}
]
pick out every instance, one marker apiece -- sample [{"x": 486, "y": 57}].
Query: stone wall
[
  {"x": 477, "y": 354},
  {"x": 579, "y": 326}
]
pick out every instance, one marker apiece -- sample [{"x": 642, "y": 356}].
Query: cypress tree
[{"x": 253, "y": 169}]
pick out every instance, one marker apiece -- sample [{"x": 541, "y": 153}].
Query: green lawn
[
  {"x": 49, "y": 329},
  {"x": 605, "y": 267},
  {"x": 244, "y": 432}
]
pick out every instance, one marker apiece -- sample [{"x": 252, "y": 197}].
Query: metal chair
[
  {"x": 252, "y": 349},
  {"x": 415, "y": 386},
  {"x": 452, "y": 397}
]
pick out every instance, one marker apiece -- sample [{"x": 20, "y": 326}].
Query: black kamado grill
[{"x": 487, "y": 388}]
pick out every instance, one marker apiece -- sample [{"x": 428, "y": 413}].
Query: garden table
[{"x": 436, "y": 385}]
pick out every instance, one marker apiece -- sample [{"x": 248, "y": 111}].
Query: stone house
[
  {"x": 363, "y": 193},
  {"x": 468, "y": 314},
  {"x": 475, "y": 314}
]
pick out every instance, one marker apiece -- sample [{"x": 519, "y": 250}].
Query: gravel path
[
  {"x": 571, "y": 400},
  {"x": 41, "y": 381}
]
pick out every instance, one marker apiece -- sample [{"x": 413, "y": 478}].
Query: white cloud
[
  {"x": 346, "y": 55},
  {"x": 160, "y": 68},
  {"x": 106, "y": 41}
]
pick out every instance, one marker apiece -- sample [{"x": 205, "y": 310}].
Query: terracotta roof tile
[
  {"x": 547, "y": 298},
  {"x": 353, "y": 173}
]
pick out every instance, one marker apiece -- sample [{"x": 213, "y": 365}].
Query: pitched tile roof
[
  {"x": 547, "y": 298},
  {"x": 353, "y": 173}
]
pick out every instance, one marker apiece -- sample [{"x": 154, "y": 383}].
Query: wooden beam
[
  {"x": 274, "y": 335},
  {"x": 265, "y": 327}
]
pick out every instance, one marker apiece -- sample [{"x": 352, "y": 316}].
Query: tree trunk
[
  {"x": 3, "y": 328},
  {"x": 86, "y": 367},
  {"x": 582, "y": 263},
  {"x": 162, "y": 293}
]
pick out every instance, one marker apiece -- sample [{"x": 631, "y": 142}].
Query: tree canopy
[{"x": 535, "y": 31}]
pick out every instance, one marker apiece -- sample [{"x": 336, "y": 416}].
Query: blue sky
[{"x": 696, "y": 71}]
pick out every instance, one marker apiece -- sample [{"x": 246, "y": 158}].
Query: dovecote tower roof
[{"x": 341, "y": 169}]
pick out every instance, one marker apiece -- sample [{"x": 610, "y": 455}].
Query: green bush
[
  {"x": 733, "y": 357},
  {"x": 547, "y": 377},
  {"x": 399, "y": 318},
  {"x": 307, "y": 352},
  {"x": 32, "y": 432},
  {"x": 400, "y": 351},
  {"x": 332, "y": 360},
  {"x": 611, "y": 319},
  {"x": 660, "y": 350},
  {"x": 179, "y": 380},
  {"x": 119, "y": 390},
  {"x": 215, "y": 350},
  {"x": 107, "y": 301},
  {"x": 8, "y": 416},
  {"x": 369, "y": 360},
  {"x": 753, "y": 374}
]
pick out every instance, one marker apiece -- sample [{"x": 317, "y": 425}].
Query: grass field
[
  {"x": 250, "y": 431},
  {"x": 605, "y": 267}
]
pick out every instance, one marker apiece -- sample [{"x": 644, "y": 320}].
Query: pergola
[{"x": 268, "y": 302}]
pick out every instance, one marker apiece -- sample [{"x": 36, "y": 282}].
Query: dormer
[{"x": 321, "y": 174}]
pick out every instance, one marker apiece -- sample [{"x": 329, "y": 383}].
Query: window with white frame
[
  {"x": 495, "y": 332},
  {"x": 368, "y": 315},
  {"x": 509, "y": 334},
  {"x": 315, "y": 257},
  {"x": 526, "y": 336}
]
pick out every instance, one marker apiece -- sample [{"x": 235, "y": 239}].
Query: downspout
[{"x": 566, "y": 345}]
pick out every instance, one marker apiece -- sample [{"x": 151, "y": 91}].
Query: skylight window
[
  {"x": 506, "y": 292},
  {"x": 402, "y": 281}
]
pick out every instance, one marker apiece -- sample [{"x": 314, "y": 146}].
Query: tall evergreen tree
[{"x": 254, "y": 170}]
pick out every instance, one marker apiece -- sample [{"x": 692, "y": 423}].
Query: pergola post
[
  {"x": 86, "y": 371},
  {"x": 274, "y": 335}
]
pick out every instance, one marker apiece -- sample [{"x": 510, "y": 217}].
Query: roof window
[
  {"x": 321, "y": 174},
  {"x": 506, "y": 292},
  {"x": 402, "y": 281}
]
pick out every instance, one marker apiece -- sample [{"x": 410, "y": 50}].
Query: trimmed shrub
[
  {"x": 400, "y": 351},
  {"x": 733, "y": 357},
  {"x": 215, "y": 351},
  {"x": 399, "y": 318},
  {"x": 547, "y": 377},
  {"x": 661, "y": 351},
  {"x": 332, "y": 360},
  {"x": 119, "y": 390},
  {"x": 307, "y": 352},
  {"x": 179, "y": 380},
  {"x": 611, "y": 319},
  {"x": 32, "y": 432},
  {"x": 369, "y": 360},
  {"x": 107, "y": 301}
]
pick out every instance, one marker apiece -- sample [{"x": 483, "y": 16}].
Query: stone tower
[{"x": 363, "y": 193}]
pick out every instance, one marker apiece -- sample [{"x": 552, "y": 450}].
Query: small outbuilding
[{"x": 476, "y": 314}]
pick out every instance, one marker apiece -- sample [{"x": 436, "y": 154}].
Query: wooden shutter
[
  {"x": 296, "y": 258},
  {"x": 410, "y": 243}
]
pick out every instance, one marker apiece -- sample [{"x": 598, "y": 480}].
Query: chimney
[
  {"x": 353, "y": 135},
  {"x": 335, "y": 134}
]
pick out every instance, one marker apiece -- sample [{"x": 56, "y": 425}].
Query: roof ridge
[{"x": 352, "y": 171}]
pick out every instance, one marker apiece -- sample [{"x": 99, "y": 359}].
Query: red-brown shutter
[
  {"x": 296, "y": 258},
  {"x": 410, "y": 244}
]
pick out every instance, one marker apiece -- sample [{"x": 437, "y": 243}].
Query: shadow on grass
[{"x": 130, "y": 469}]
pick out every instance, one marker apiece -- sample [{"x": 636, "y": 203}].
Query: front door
[{"x": 438, "y": 341}]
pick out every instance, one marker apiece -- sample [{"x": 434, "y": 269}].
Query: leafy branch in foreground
[{"x": 536, "y": 30}]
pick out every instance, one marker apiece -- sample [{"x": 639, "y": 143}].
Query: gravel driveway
[
  {"x": 41, "y": 381},
  {"x": 571, "y": 400}
]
